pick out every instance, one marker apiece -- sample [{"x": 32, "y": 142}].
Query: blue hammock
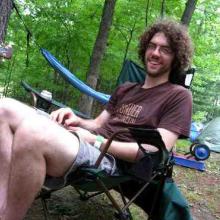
[{"x": 73, "y": 80}]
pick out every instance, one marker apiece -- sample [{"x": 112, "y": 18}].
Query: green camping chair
[{"x": 152, "y": 190}]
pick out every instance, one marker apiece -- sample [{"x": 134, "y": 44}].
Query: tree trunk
[
  {"x": 188, "y": 12},
  {"x": 162, "y": 11},
  {"x": 93, "y": 72},
  {"x": 5, "y": 11},
  {"x": 128, "y": 40},
  {"x": 147, "y": 12}
]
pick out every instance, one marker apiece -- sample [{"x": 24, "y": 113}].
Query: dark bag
[
  {"x": 170, "y": 205},
  {"x": 173, "y": 205}
]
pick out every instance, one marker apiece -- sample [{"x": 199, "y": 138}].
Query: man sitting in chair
[{"x": 33, "y": 146}]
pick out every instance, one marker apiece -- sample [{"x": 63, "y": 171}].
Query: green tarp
[{"x": 131, "y": 72}]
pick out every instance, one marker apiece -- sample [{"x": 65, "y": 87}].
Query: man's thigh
[{"x": 37, "y": 133}]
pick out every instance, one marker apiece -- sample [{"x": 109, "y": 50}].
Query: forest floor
[{"x": 202, "y": 190}]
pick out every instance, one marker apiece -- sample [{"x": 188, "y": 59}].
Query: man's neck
[{"x": 151, "y": 82}]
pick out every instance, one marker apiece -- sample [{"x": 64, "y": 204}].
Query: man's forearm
[
  {"x": 127, "y": 151},
  {"x": 93, "y": 124},
  {"x": 88, "y": 124}
]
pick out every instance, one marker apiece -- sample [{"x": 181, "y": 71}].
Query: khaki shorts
[{"x": 86, "y": 157}]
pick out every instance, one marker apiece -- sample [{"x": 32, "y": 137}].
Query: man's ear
[{"x": 6, "y": 51}]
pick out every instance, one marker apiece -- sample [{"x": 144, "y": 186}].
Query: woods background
[{"x": 93, "y": 38}]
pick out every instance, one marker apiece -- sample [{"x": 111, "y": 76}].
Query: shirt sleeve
[
  {"x": 119, "y": 91},
  {"x": 112, "y": 101},
  {"x": 177, "y": 114}
]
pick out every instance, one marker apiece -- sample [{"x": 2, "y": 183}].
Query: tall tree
[
  {"x": 162, "y": 11},
  {"x": 188, "y": 12},
  {"x": 147, "y": 11},
  {"x": 5, "y": 11},
  {"x": 86, "y": 102}
]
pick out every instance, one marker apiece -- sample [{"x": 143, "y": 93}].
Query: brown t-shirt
[{"x": 166, "y": 106}]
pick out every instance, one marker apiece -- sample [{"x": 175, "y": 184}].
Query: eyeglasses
[{"x": 164, "y": 50}]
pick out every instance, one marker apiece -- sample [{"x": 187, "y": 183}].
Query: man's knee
[
  {"x": 7, "y": 107},
  {"x": 14, "y": 112},
  {"x": 33, "y": 133},
  {"x": 29, "y": 129}
]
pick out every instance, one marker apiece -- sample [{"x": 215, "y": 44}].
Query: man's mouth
[{"x": 153, "y": 63}]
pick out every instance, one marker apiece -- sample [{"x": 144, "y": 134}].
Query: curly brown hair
[{"x": 180, "y": 43}]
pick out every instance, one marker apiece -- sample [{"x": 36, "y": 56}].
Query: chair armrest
[
  {"x": 142, "y": 136},
  {"x": 39, "y": 101},
  {"x": 107, "y": 145}
]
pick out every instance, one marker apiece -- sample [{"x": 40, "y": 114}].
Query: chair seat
[{"x": 84, "y": 179}]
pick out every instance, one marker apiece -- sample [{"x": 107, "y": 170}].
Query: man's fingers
[
  {"x": 57, "y": 115},
  {"x": 71, "y": 122},
  {"x": 54, "y": 115},
  {"x": 61, "y": 115}
]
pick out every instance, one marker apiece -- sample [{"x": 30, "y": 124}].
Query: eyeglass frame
[{"x": 164, "y": 50}]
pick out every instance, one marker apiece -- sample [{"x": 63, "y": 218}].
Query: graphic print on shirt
[{"x": 128, "y": 113}]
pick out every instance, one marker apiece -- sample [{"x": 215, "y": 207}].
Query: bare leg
[
  {"x": 39, "y": 146},
  {"x": 5, "y": 159}
]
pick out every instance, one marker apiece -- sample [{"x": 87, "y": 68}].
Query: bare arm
[
  {"x": 67, "y": 118},
  {"x": 95, "y": 123},
  {"x": 128, "y": 150}
]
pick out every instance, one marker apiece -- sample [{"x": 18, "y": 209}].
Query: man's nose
[{"x": 156, "y": 51}]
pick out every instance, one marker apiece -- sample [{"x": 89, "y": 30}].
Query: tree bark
[
  {"x": 147, "y": 12},
  {"x": 188, "y": 12},
  {"x": 93, "y": 72},
  {"x": 162, "y": 11},
  {"x": 128, "y": 40},
  {"x": 5, "y": 11}
]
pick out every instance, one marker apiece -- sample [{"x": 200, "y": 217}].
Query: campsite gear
[
  {"x": 210, "y": 135},
  {"x": 43, "y": 102},
  {"x": 200, "y": 151}
]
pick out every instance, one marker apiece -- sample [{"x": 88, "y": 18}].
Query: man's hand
[{"x": 66, "y": 117}]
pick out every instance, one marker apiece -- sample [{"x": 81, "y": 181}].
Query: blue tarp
[{"x": 195, "y": 130}]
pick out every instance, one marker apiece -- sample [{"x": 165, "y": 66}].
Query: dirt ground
[{"x": 202, "y": 190}]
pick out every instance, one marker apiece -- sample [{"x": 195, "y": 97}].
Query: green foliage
[
  {"x": 68, "y": 30},
  {"x": 182, "y": 146},
  {"x": 206, "y": 33}
]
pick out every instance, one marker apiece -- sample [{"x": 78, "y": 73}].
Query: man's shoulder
[
  {"x": 127, "y": 86},
  {"x": 179, "y": 92},
  {"x": 178, "y": 88}
]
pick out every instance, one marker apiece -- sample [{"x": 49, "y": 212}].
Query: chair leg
[
  {"x": 121, "y": 214},
  {"x": 45, "y": 209},
  {"x": 84, "y": 196},
  {"x": 125, "y": 202}
]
